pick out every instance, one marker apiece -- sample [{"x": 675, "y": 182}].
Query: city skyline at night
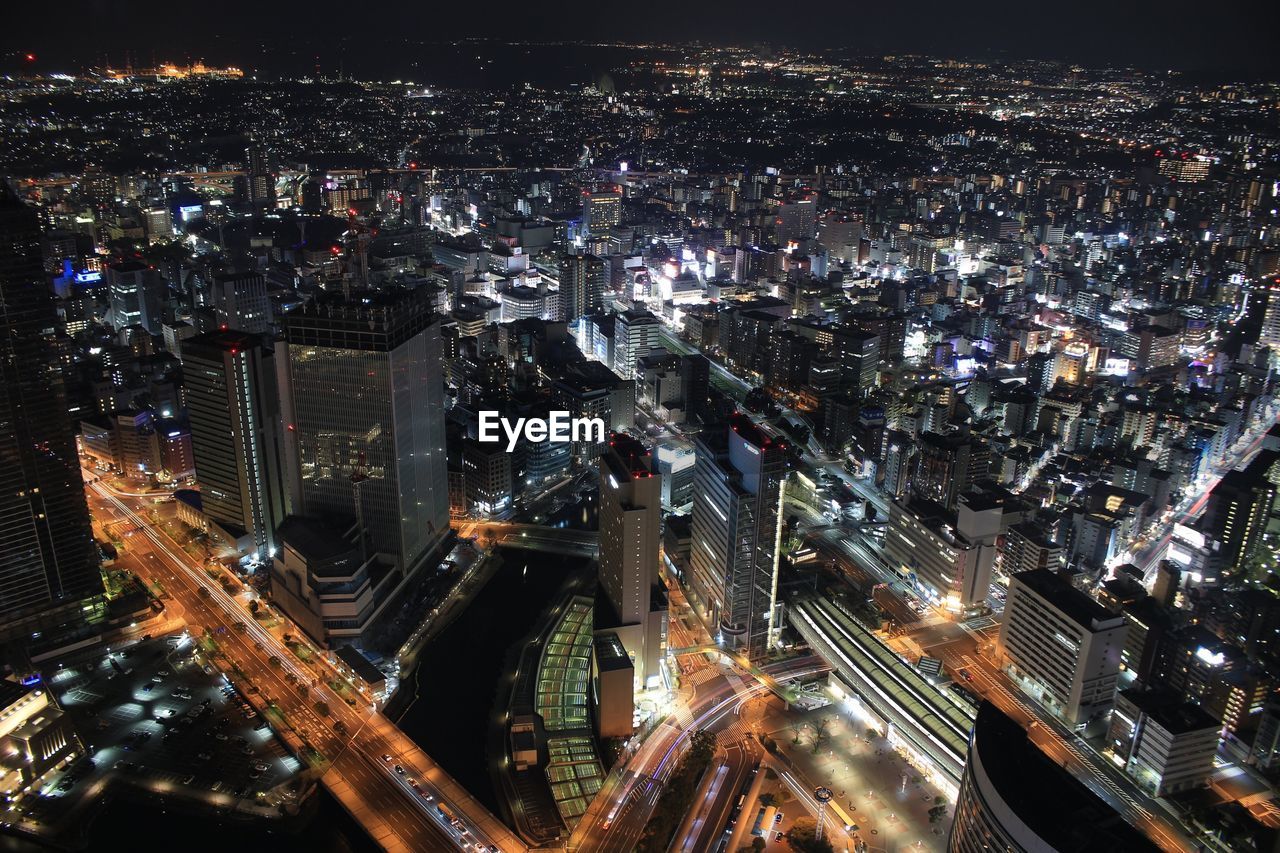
[{"x": 698, "y": 428}]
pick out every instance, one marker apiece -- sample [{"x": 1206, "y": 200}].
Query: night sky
[{"x": 1227, "y": 36}]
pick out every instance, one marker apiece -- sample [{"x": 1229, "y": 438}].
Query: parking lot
[{"x": 156, "y": 715}]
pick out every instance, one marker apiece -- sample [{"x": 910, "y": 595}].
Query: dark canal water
[{"x": 460, "y": 673}]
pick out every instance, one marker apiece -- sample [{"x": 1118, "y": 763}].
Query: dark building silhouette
[
  {"x": 48, "y": 561},
  {"x": 1013, "y": 797}
]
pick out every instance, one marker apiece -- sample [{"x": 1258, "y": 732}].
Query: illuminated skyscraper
[
  {"x": 233, "y": 408},
  {"x": 581, "y": 286},
  {"x": 362, "y": 402},
  {"x": 737, "y": 528},
  {"x": 138, "y": 293},
  {"x": 635, "y": 335},
  {"x": 630, "y": 511},
  {"x": 859, "y": 355},
  {"x": 601, "y": 210},
  {"x": 1270, "y": 336},
  {"x": 796, "y": 220},
  {"x": 261, "y": 180},
  {"x": 48, "y": 561},
  {"x": 1238, "y": 510}
]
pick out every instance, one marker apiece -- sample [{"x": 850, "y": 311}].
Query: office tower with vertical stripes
[
  {"x": 736, "y": 534},
  {"x": 233, "y": 410}
]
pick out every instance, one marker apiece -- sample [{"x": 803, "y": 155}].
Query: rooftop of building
[
  {"x": 11, "y": 692},
  {"x": 1058, "y": 591},
  {"x": 366, "y": 304},
  {"x": 610, "y": 654},
  {"x": 1147, "y": 612},
  {"x": 934, "y": 516},
  {"x": 360, "y": 665},
  {"x": 637, "y": 460},
  {"x": 680, "y": 526},
  {"x": 223, "y": 340},
  {"x": 1052, "y": 804},
  {"x": 1034, "y": 533},
  {"x": 1171, "y": 711},
  {"x": 314, "y": 538},
  {"x": 637, "y": 315},
  {"x": 660, "y": 360},
  {"x": 983, "y": 501},
  {"x": 751, "y": 431},
  {"x": 586, "y": 376}
]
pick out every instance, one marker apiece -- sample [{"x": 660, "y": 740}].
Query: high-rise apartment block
[
  {"x": 581, "y": 286},
  {"x": 630, "y": 520},
  {"x": 737, "y": 529}
]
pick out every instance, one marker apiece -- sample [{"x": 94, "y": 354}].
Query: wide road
[
  {"x": 617, "y": 816},
  {"x": 396, "y": 814},
  {"x": 704, "y": 824}
]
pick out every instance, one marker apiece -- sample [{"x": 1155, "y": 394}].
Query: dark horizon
[{"x": 1224, "y": 39}]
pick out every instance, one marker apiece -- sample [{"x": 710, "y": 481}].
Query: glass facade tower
[{"x": 364, "y": 417}]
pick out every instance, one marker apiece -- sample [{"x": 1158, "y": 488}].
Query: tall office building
[
  {"x": 240, "y": 302},
  {"x": 1167, "y": 744},
  {"x": 601, "y": 209},
  {"x": 796, "y": 220},
  {"x": 858, "y": 354},
  {"x": 1060, "y": 646},
  {"x": 581, "y": 286},
  {"x": 362, "y": 397},
  {"x": 233, "y": 409},
  {"x": 947, "y": 466},
  {"x": 1270, "y": 335},
  {"x": 630, "y": 515},
  {"x": 737, "y": 528},
  {"x": 695, "y": 385},
  {"x": 261, "y": 181},
  {"x": 947, "y": 555},
  {"x": 1014, "y": 798},
  {"x": 635, "y": 334},
  {"x": 48, "y": 561},
  {"x": 1238, "y": 510},
  {"x": 138, "y": 294}
]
